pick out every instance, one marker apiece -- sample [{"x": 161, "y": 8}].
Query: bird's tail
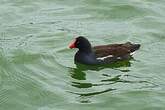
[{"x": 133, "y": 47}]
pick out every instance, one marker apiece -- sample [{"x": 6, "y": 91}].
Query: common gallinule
[{"x": 103, "y": 54}]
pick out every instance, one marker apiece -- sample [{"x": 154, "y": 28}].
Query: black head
[{"x": 81, "y": 43}]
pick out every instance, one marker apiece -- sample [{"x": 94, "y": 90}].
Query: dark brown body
[{"x": 117, "y": 50}]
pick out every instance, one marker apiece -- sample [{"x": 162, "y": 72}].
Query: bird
[{"x": 102, "y": 54}]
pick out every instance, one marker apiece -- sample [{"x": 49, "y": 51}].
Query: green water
[{"x": 37, "y": 71}]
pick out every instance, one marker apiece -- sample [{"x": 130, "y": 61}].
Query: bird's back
[{"x": 115, "y": 50}]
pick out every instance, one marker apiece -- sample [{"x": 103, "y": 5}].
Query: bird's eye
[{"x": 77, "y": 42}]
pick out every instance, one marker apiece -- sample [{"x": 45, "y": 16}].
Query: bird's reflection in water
[
  {"x": 115, "y": 65},
  {"x": 79, "y": 72},
  {"x": 80, "y": 80}
]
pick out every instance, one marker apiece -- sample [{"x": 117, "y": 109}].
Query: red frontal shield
[{"x": 72, "y": 44}]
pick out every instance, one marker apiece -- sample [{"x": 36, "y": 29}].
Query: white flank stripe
[
  {"x": 132, "y": 53},
  {"x": 102, "y": 58}
]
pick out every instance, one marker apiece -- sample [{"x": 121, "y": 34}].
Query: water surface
[{"x": 37, "y": 71}]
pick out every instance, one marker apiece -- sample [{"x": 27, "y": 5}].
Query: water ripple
[
  {"x": 37, "y": 69},
  {"x": 3, "y": 96}
]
